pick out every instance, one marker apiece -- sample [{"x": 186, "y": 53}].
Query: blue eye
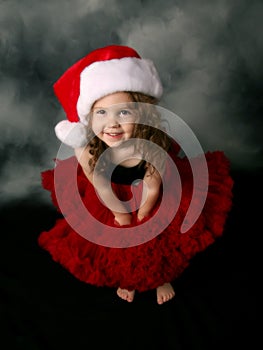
[
  {"x": 125, "y": 112},
  {"x": 100, "y": 111}
]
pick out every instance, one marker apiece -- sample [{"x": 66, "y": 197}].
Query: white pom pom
[{"x": 71, "y": 134}]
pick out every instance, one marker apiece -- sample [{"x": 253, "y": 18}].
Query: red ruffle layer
[{"x": 144, "y": 266}]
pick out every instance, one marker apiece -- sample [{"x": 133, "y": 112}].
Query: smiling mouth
[{"x": 113, "y": 134}]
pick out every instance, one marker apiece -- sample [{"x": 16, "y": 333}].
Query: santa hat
[{"x": 103, "y": 71}]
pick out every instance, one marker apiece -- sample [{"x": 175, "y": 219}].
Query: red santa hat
[{"x": 103, "y": 71}]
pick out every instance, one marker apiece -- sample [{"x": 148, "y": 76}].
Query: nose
[{"x": 113, "y": 120}]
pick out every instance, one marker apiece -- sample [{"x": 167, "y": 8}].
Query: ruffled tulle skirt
[{"x": 93, "y": 252}]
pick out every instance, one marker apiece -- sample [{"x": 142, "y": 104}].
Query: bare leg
[
  {"x": 165, "y": 293},
  {"x": 126, "y": 294}
]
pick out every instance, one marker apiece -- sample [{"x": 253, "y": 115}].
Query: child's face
[{"x": 113, "y": 118}]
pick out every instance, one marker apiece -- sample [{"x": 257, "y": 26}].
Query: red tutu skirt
[{"x": 154, "y": 259}]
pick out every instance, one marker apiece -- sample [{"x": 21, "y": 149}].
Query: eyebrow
[{"x": 121, "y": 106}]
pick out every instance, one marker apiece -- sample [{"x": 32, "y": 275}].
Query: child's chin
[{"x": 114, "y": 143}]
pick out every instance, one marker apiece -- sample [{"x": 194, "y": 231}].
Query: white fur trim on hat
[
  {"x": 106, "y": 77},
  {"x": 72, "y": 134}
]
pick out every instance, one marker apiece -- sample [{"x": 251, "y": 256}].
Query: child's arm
[
  {"x": 122, "y": 217},
  {"x": 151, "y": 191},
  {"x": 83, "y": 156},
  {"x": 108, "y": 197}
]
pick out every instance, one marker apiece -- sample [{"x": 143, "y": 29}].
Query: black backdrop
[{"x": 216, "y": 305}]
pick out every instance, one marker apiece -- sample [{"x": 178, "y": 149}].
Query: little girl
[{"x": 110, "y": 98}]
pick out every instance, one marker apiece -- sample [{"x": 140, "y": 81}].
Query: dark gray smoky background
[{"x": 209, "y": 56}]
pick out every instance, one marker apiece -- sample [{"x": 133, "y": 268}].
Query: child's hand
[
  {"x": 141, "y": 216},
  {"x": 123, "y": 219}
]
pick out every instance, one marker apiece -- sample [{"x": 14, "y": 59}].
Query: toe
[{"x": 160, "y": 300}]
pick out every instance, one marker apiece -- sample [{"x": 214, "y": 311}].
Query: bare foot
[
  {"x": 126, "y": 294},
  {"x": 165, "y": 293}
]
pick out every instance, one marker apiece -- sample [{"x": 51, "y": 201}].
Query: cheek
[
  {"x": 130, "y": 129},
  {"x": 96, "y": 127}
]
